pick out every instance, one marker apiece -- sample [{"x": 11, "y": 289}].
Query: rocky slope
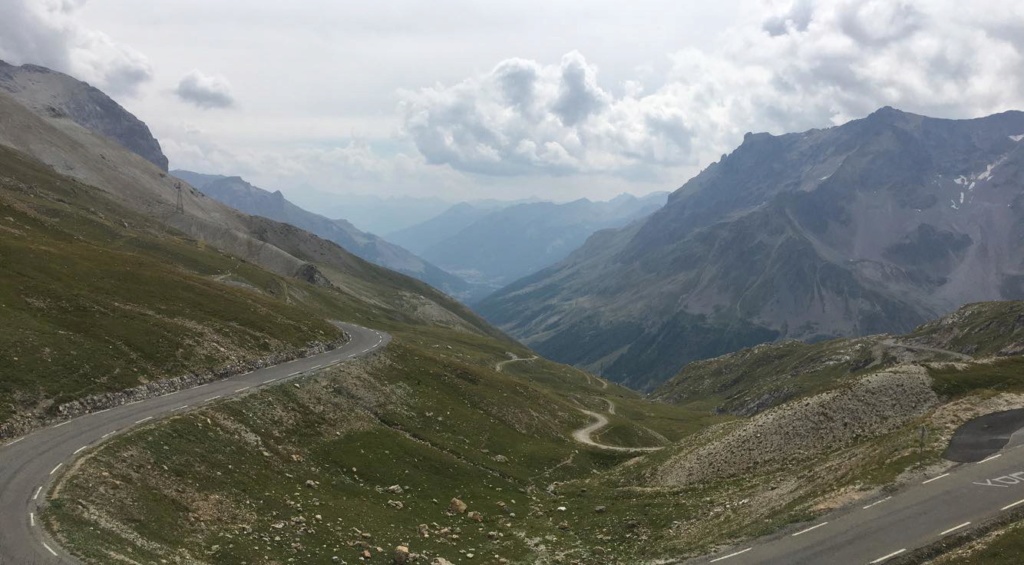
[
  {"x": 872, "y": 406},
  {"x": 242, "y": 196},
  {"x": 752, "y": 380},
  {"x": 503, "y": 245},
  {"x": 48, "y": 92},
  {"x": 870, "y": 227}
]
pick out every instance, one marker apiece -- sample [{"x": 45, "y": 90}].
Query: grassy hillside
[
  {"x": 100, "y": 298},
  {"x": 433, "y": 416},
  {"x": 96, "y": 298},
  {"x": 430, "y": 414}
]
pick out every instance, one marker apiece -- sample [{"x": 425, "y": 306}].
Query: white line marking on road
[
  {"x": 213, "y": 398},
  {"x": 890, "y": 556},
  {"x": 182, "y": 407},
  {"x": 202, "y": 385},
  {"x": 243, "y": 389},
  {"x": 809, "y": 529},
  {"x": 32, "y": 519},
  {"x": 102, "y": 411},
  {"x": 108, "y": 434},
  {"x": 15, "y": 441},
  {"x": 316, "y": 367},
  {"x": 50, "y": 549},
  {"x": 270, "y": 381},
  {"x": 80, "y": 449},
  {"x": 731, "y": 555},
  {"x": 877, "y": 502},
  {"x": 146, "y": 419},
  {"x": 295, "y": 373},
  {"x": 63, "y": 423},
  {"x": 172, "y": 393},
  {"x": 955, "y": 528},
  {"x": 36, "y": 495},
  {"x": 987, "y": 459},
  {"x": 55, "y": 468},
  {"x": 1009, "y": 506},
  {"x": 935, "y": 478}
]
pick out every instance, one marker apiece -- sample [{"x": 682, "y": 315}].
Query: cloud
[
  {"x": 47, "y": 33},
  {"x": 524, "y": 117},
  {"x": 800, "y": 65},
  {"x": 205, "y": 91}
]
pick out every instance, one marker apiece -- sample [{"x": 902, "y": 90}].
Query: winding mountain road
[
  {"x": 501, "y": 364},
  {"x": 29, "y": 465},
  {"x": 583, "y": 435}
]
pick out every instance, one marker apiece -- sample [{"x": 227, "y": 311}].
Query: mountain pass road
[{"x": 29, "y": 465}]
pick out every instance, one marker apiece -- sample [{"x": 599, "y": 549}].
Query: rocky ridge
[
  {"x": 874, "y": 226},
  {"x": 58, "y": 95}
]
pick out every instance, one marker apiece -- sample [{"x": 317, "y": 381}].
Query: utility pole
[
  {"x": 920, "y": 451},
  {"x": 180, "y": 208}
]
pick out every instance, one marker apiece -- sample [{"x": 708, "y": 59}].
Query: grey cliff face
[
  {"x": 56, "y": 95},
  {"x": 870, "y": 227}
]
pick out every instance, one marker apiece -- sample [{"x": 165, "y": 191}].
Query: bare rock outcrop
[{"x": 58, "y": 95}]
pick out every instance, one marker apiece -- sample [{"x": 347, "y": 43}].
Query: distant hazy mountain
[
  {"x": 238, "y": 194},
  {"x": 55, "y": 94},
  {"x": 870, "y": 227},
  {"x": 374, "y": 214},
  {"x": 495, "y": 247},
  {"x": 422, "y": 236}
]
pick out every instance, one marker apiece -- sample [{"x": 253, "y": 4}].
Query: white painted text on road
[{"x": 1003, "y": 481}]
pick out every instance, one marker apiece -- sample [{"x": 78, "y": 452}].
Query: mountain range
[
  {"x": 240, "y": 195},
  {"x": 122, "y": 286},
  {"x": 494, "y": 247},
  {"x": 870, "y": 227}
]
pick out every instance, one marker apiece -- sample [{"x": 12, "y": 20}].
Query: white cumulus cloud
[
  {"x": 525, "y": 117},
  {"x": 205, "y": 91},
  {"x": 47, "y": 33}
]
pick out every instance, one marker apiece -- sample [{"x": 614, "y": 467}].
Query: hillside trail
[
  {"x": 590, "y": 380},
  {"x": 893, "y": 343},
  {"x": 501, "y": 364},
  {"x": 583, "y": 435}
]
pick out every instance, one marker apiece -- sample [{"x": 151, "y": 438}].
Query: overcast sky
[{"x": 479, "y": 99}]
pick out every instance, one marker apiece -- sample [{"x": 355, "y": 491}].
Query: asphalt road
[
  {"x": 29, "y": 465},
  {"x": 881, "y": 529}
]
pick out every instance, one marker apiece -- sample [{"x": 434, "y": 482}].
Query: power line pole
[{"x": 180, "y": 208}]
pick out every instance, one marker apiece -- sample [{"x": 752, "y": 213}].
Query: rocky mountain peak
[
  {"x": 869, "y": 227},
  {"x": 56, "y": 95}
]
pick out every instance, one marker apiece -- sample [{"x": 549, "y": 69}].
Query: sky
[{"x": 556, "y": 99}]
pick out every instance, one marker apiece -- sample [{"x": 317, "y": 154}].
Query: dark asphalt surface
[
  {"x": 29, "y": 465},
  {"x": 983, "y": 436},
  {"x": 877, "y": 530}
]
